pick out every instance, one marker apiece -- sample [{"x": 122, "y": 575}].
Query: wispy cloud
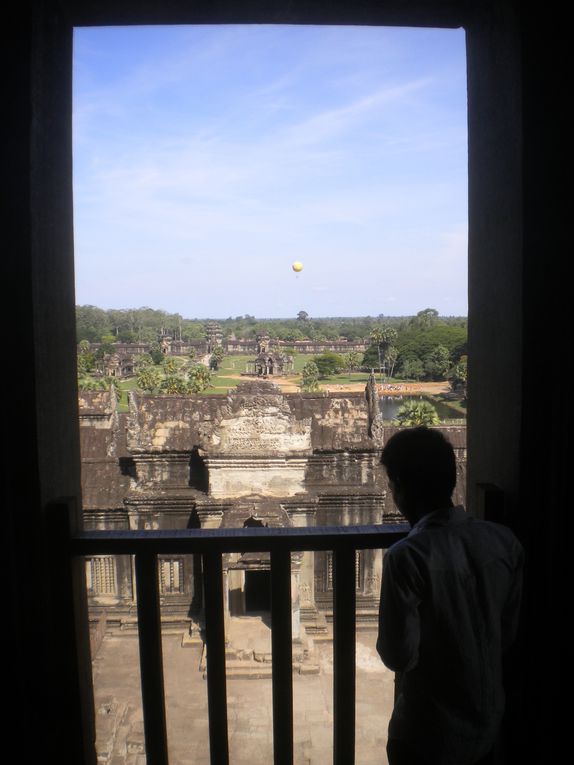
[{"x": 217, "y": 151}]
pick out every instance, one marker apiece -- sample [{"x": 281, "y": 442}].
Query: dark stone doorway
[{"x": 257, "y": 591}]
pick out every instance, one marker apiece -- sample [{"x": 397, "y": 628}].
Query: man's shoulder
[
  {"x": 407, "y": 547},
  {"x": 495, "y": 531},
  {"x": 492, "y": 538}
]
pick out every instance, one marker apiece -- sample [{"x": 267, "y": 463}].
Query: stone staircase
[{"x": 248, "y": 651}]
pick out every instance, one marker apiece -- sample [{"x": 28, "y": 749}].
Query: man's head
[{"x": 421, "y": 467}]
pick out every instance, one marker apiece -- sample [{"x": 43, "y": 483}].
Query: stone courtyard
[{"x": 249, "y": 704}]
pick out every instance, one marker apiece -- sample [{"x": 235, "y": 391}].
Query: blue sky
[{"x": 207, "y": 159}]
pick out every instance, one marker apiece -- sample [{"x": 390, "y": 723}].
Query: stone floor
[{"x": 118, "y": 707}]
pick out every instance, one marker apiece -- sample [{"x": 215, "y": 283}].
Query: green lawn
[
  {"x": 223, "y": 383},
  {"x": 346, "y": 379},
  {"x": 454, "y": 404},
  {"x": 234, "y": 364},
  {"x": 124, "y": 386}
]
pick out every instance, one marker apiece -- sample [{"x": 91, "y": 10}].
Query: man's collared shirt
[{"x": 450, "y": 597}]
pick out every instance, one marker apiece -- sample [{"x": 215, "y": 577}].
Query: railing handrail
[
  {"x": 251, "y": 539},
  {"x": 146, "y": 545}
]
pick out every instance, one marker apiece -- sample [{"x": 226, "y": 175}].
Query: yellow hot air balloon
[{"x": 297, "y": 267}]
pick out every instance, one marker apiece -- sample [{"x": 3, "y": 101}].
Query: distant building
[
  {"x": 117, "y": 365},
  {"x": 270, "y": 361},
  {"x": 171, "y": 346}
]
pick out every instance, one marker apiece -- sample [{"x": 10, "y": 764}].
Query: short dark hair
[{"x": 422, "y": 461}]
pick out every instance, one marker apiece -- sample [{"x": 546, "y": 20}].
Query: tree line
[
  {"x": 145, "y": 324},
  {"x": 425, "y": 346}
]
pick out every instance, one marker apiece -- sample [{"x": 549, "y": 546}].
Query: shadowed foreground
[{"x": 119, "y": 715}]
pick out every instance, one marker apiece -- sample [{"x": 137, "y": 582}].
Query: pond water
[{"x": 391, "y": 404}]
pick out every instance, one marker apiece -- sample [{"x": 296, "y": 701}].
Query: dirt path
[
  {"x": 289, "y": 385},
  {"x": 393, "y": 389}
]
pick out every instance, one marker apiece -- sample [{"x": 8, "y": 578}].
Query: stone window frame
[
  {"x": 359, "y": 570},
  {"x": 101, "y": 575},
  {"x": 171, "y": 573}
]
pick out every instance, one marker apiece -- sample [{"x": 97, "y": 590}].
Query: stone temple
[
  {"x": 270, "y": 360},
  {"x": 255, "y": 456}
]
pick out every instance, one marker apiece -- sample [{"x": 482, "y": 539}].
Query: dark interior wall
[
  {"x": 495, "y": 250},
  {"x": 545, "y": 461},
  {"x": 44, "y": 661},
  {"x": 440, "y": 13},
  {"x": 52, "y": 257},
  {"x": 21, "y": 531}
]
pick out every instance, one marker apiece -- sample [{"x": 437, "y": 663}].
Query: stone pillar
[
  {"x": 307, "y": 611},
  {"x": 236, "y": 597},
  {"x": 378, "y": 572},
  {"x": 295, "y": 607},
  {"x": 226, "y": 604},
  {"x": 302, "y": 517},
  {"x": 210, "y": 518}
]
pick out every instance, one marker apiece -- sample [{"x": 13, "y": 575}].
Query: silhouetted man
[{"x": 449, "y": 609}]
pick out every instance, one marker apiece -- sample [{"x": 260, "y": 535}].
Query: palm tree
[
  {"x": 413, "y": 413},
  {"x": 309, "y": 377},
  {"x": 199, "y": 378},
  {"x": 383, "y": 338},
  {"x": 353, "y": 360},
  {"x": 149, "y": 379},
  {"x": 216, "y": 357}
]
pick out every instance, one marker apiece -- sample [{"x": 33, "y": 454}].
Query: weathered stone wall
[
  {"x": 210, "y": 461},
  {"x": 235, "y": 345},
  {"x": 239, "y": 346},
  {"x": 105, "y": 459},
  {"x": 457, "y": 437},
  {"x": 256, "y": 417}
]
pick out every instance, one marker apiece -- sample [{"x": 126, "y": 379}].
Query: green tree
[
  {"x": 371, "y": 357},
  {"x": 216, "y": 357},
  {"x": 91, "y": 323},
  {"x": 143, "y": 360},
  {"x": 175, "y": 385},
  {"x": 97, "y": 383},
  {"x": 82, "y": 367},
  {"x": 310, "y": 377},
  {"x": 391, "y": 357},
  {"x": 413, "y": 413},
  {"x": 383, "y": 338},
  {"x": 86, "y": 360},
  {"x": 413, "y": 369},
  {"x": 106, "y": 348},
  {"x": 414, "y": 341},
  {"x": 352, "y": 360},
  {"x": 149, "y": 379},
  {"x": 291, "y": 335},
  {"x": 437, "y": 363},
  {"x": 156, "y": 353},
  {"x": 426, "y": 318},
  {"x": 328, "y": 364},
  {"x": 169, "y": 366},
  {"x": 86, "y": 383},
  {"x": 199, "y": 378},
  {"x": 458, "y": 375}
]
